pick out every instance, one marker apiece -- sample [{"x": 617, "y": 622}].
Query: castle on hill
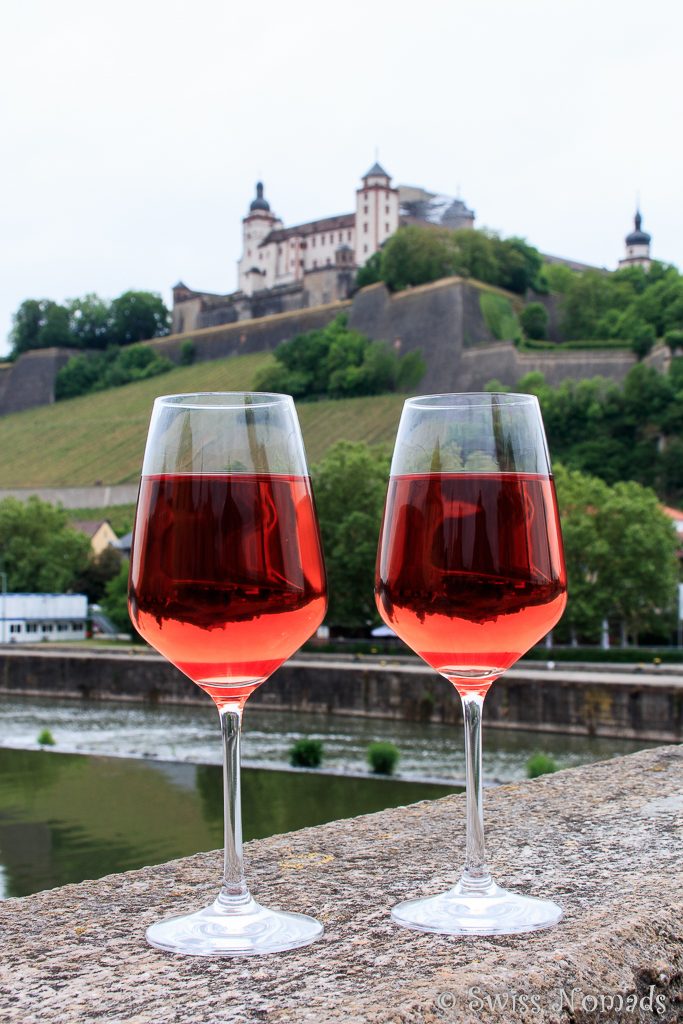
[
  {"x": 285, "y": 268},
  {"x": 288, "y": 268}
]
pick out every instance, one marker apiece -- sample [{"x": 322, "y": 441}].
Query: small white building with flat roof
[{"x": 27, "y": 618}]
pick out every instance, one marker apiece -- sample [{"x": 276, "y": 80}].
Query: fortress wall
[
  {"x": 247, "y": 336},
  {"x": 443, "y": 320}
]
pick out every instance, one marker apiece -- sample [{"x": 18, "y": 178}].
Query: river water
[
  {"x": 127, "y": 784},
  {"x": 191, "y": 733}
]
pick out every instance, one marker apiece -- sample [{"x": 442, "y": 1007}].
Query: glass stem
[
  {"x": 475, "y": 877},
  {"x": 234, "y": 892}
]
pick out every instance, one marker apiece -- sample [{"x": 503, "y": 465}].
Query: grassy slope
[{"x": 101, "y": 437}]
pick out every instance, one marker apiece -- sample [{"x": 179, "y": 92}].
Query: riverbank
[{"x": 621, "y": 702}]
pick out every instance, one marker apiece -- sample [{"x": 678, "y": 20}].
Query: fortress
[
  {"x": 283, "y": 269},
  {"x": 312, "y": 264}
]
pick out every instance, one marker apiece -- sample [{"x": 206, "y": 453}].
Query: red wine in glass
[
  {"x": 471, "y": 573},
  {"x": 227, "y": 579}
]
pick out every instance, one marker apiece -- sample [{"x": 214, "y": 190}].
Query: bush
[
  {"x": 674, "y": 339},
  {"x": 382, "y": 757},
  {"x": 534, "y": 321},
  {"x": 499, "y": 316},
  {"x": 113, "y": 368},
  {"x": 45, "y": 738},
  {"x": 540, "y": 764},
  {"x": 306, "y": 753},
  {"x": 187, "y": 352},
  {"x": 337, "y": 362}
]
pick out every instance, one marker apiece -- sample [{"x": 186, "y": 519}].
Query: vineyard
[{"x": 101, "y": 437}]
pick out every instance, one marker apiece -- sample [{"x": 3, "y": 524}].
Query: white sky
[{"x": 131, "y": 134}]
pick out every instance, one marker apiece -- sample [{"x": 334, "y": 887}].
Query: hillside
[{"x": 101, "y": 437}]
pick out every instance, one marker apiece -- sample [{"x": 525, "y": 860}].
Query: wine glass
[
  {"x": 470, "y": 574},
  {"x": 226, "y": 581}
]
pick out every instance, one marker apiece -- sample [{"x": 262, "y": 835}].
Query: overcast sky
[{"x": 132, "y": 133}]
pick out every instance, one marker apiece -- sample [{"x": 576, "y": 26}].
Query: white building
[
  {"x": 26, "y": 618},
  {"x": 273, "y": 255},
  {"x": 637, "y": 247}
]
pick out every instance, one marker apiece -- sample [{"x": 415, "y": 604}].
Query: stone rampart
[
  {"x": 603, "y": 841},
  {"x": 444, "y": 320}
]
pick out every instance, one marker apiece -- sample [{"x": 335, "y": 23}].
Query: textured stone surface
[{"x": 604, "y": 841}]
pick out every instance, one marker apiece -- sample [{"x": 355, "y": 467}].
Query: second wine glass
[
  {"x": 470, "y": 574},
  {"x": 227, "y": 581}
]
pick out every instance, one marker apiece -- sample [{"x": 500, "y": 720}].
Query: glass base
[
  {"x": 492, "y": 911},
  {"x": 244, "y": 930}
]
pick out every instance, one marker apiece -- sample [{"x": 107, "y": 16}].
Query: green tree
[
  {"x": 580, "y": 499},
  {"x": 115, "y": 599},
  {"x": 39, "y": 323},
  {"x": 350, "y": 486},
  {"x": 38, "y": 549},
  {"x": 138, "y": 316},
  {"x": 639, "y": 558},
  {"x": 371, "y": 271},
  {"x": 93, "y": 579},
  {"x": 621, "y": 554},
  {"x": 90, "y": 322},
  {"x": 416, "y": 255},
  {"x": 534, "y": 321}
]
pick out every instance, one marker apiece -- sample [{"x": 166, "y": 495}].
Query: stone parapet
[{"x": 604, "y": 841}]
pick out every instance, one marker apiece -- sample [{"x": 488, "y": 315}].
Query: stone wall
[
  {"x": 621, "y": 704},
  {"x": 30, "y": 381}
]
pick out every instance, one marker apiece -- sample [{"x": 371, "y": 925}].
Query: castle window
[
  {"x": 386, "y": 210},
  {"x": 386, "y": 228},
  {"x": 348, "y": 236},
  {"x": 313, "y": 240},
  {"x": 365, "y": 210},
  {"x": 365, "y": 248},
  {"x": 315, "y": 263},
  {"x": 341, "y": 237},
  {"x": 365, "y": 227}
]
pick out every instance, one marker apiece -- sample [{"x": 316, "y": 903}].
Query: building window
[
  {"x": 315, "y": 264},
  {"x": 348, "y": 236},
  {"x": 365, "y": 210},
  {"x": 248, "y": 252},
  {"x": 365, "y": 227},
  {"x": 365, "y": 248},
  {"x": 301, "y": 263},
  {"x": 313, "y": 241},
  {"x": 386, "y": 228},
  {"x": 341, "y": 237},
  {"x": 386, "y": 210}
]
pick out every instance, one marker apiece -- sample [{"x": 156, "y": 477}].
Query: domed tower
[
  {"x": 637, "y": 246},
  {"x": 256, "y": 269}
]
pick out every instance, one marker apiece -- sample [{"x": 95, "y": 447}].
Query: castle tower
[
  {"x": 637, "y": 247},
  {"x": 377, "y": 212},
  {"x": 254, "y": 268}
]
